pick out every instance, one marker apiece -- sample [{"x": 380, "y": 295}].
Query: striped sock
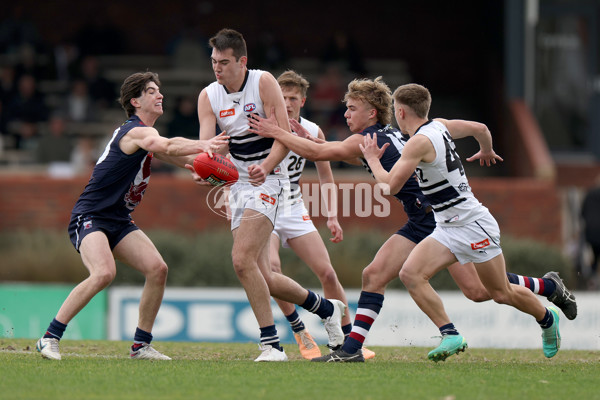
[
  {"x": 448, "y": 329},
  {"x": 369, "y": 305},
  {"x": 295, "y": 322},
  {"x": 269, "y": 337},
  {"x": 318, "y": 305},
  {"x": 542, "y": 286},
  {"x": 55, "y": 330}
]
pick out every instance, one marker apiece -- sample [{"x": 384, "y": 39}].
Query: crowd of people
[{"x": 41, "y": 84}]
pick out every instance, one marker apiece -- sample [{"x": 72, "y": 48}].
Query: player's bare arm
[
  {"x": 206, "y": 117},
  {"x": 459, "y": 128},
  {"x": 149, "y": 139},
  {"x": 329, "y": 194},
  {"x": 347, "y": 150}
]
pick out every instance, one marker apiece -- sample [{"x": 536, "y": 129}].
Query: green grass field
[{"x": 102, "y": 370}]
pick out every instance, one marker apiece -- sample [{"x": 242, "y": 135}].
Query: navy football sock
[
  {"x": 318, "y": 305},
  {"x": 268, "y": 336},
  {"x": 295, "y": 322},
  {"x": 55, "y": 330}
]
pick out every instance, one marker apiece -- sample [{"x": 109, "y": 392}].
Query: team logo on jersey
[
  {"x": 267, "y": 198},
  {"x": 227, "y": 113},
  {"x": 87, "y": 225},
  {"x": 138, "y": 186},
  {"x": 306, "y": 217},
  {"x": 463, "y": 187},
  {"x": 249, "y": 107},
  {"x": 480, "y": 245}
]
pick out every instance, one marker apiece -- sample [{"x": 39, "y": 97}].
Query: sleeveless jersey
[
  {"x": 295, "y": 164},
  {"x": 444, "y": 181},
  {"x": 411, "y": 196},
  {"x": 232, "y": 111},
  {"x": 118, "y": 181}
]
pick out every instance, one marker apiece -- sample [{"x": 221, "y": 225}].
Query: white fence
[{"x": 224, "y": 315}]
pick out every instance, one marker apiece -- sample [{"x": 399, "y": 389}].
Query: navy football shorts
[
  {"x": 115, "y": 230},
  {"x": 418, "y": 227}
]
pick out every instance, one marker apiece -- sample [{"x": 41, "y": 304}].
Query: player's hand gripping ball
[{"x": 218, "y": 170}]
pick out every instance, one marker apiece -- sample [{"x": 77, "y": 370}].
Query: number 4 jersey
[{"x": 444, "y": 182}]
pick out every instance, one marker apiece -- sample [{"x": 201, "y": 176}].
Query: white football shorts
[
  {"x": 477, "y": 241},
  {"x": 293, "y": 221},
  {"x": 264, "y": 198}
]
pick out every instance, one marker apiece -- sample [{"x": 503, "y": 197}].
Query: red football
[{"x": 217, "y": 170}]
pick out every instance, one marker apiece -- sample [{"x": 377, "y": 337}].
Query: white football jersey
[
  {"x": 444, "y": 182},
  {"x": 232, "y": 111},
  {"x": 295, "y": 164}
]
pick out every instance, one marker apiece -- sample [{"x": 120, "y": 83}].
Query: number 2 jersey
[
  {"x": 444, "y": 182},
  {"x": 414, "y": 202},
  {"x": 118, "y": 181},
  {"x": 232, "y": 111}
]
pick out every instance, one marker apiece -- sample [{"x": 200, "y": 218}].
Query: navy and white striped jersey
[
  {"x": 231, "y": 111},
  {"x": 295, "y": 163},
  {"x": 444, "y": 182},
  {"x": 410, "y": 194},
  {"x": 118, "y": 181}
]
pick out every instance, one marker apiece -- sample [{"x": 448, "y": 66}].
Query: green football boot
[
  {"x": 551, "y": 336},
  {"x": 451, "y": 344}
]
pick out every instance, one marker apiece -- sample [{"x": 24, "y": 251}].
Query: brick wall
[{"x": 523, "y": 207}]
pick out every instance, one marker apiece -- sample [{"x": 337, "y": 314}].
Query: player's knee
[
  {"x": 501, "y": 297},
  {"x": 103, "y": 278},
  {"x": 407, "y": 277},
  {"x": 328, "y": 277},
  {"x": 159, "y": 272},
  {"x": 371, "y": 281},
  {"x": 477, "y": 296},
  {"x": 411, "y": 277},
  {"x": 241, "y": 264},
  {"x": 276, "y": 265}
]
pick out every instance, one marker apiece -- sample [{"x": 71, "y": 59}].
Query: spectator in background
[
  {"x": 185, "y": 120},
  {"x": 101, "y": 91},
  {"x": 343, "y": 50},
  {"x": 27, "y": 63},
  {"x": 84, "y": 155},
  {"x": 55, "y": 145},
  {"x": 65, "y": 61},
  {"x": 188, "y": 50},
  {"x": 7, "y": 91},
  {"x": 78, "y": 105},
  {"x": 590, "y": 212},
  {"x": 16, "y": 30},
  {"x": 270, "y": 52},
  {"x": 24, "y": 111},
  {"x": 324, "y": 106}
]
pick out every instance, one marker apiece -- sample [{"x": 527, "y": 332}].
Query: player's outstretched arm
[
  {"x": 149, "y": 139},
  {"x": 347, "y": 150},
  {"x": 460, "y": 128}
]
